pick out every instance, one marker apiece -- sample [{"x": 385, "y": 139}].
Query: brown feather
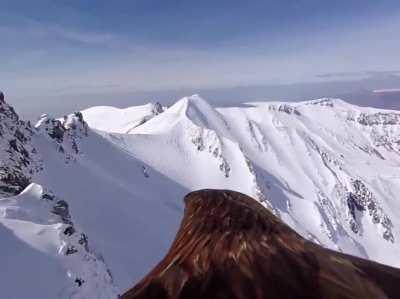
[{"x": 230, "y": 247}]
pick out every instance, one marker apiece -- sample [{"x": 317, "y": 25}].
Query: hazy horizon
[
  {"x": 60, "y": 56},
  {"x": 361, "y": 93}
]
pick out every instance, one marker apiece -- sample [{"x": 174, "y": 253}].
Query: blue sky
[{"x": 53, "y": 50}]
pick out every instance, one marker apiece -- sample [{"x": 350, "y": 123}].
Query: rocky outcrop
[
  {"x": 379, "y": 118},
  {"x": 286, "y": 108},
  {"x": 230, "y": 246},
  {"x": 45, "y": 220},
  {"x": 18, "y": 157},
  {"x": 156, "y": 108},
  {"x": 66, "y": 132},
  {"x": 208, "y": 140},
  {"x": 85, "y": 269},
  {"x": 52, "y": 127},
  {"x": 324, "y": 102},
  {"x": 361, "y": 200},
  {"x": 383, "y": 129}
]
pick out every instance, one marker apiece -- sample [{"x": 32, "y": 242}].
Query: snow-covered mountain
[
  {"x": 88, "y": 213},
  {"x": 327, "y": 168}
]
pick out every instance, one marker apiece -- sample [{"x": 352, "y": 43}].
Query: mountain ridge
[
  {"x": 339, "y": 147},
  {"x": 329, "y": 170}
]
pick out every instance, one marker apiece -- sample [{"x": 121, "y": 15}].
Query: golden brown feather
[{"x": 230, "y": 247}]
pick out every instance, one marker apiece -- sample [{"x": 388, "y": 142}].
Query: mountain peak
[
  {"x": 198, "y": 111},
  {"x": 186, "y": 103},
  {"x": 195, "y": 97},
  {"x": 229, "y": 246}
]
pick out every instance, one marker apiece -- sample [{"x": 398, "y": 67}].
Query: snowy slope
[
  {"x": 115, "y": 198},
  {"x": 44, "y": 253},
  {"x": 327, "y": 168},
  {"x": 121, "y": 120},
  {"x": 128, "y": 212}
]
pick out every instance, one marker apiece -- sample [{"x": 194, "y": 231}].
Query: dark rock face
[
  {"x": 18, "y": 161},
  {"x": 61, "y": 209},
  {"x": 379, "y": 119},
  {"x": 54, "y": 129},
  {"x": 382, "y": 129},
  {"x": 157, "y": 108},
  {"x": 288, "y": 109},
  {"x": 67, "y": 132},
  {"x": 323, "y": 102},
  {"x": 229, "y": 246},
  {"x": 362, "y": 200}
]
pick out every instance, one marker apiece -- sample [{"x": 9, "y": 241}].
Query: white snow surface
[
  {"x": 302, "y": 160},
  {"x": 34, "y": 258},
  {"x": 119, "y": 120},
  {"x": 329, "y": 169}
]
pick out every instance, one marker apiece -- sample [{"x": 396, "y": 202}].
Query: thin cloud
[
  {"x": 340, "y": 75},
  {"x": 83, "y": 87},
  {"x": 387, "y": 91},
  {"x": 34, "y": 29},
  {"x": 352, "y": 75}
]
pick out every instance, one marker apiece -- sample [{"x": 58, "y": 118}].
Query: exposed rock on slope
[
  {"x": 99, "y": 183},
  {"x": 229, "y": 246},
  {"x": 40, "y": 240},
  {"x": 66, "y": 132},
  {"x": 18, "y": 158}
]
